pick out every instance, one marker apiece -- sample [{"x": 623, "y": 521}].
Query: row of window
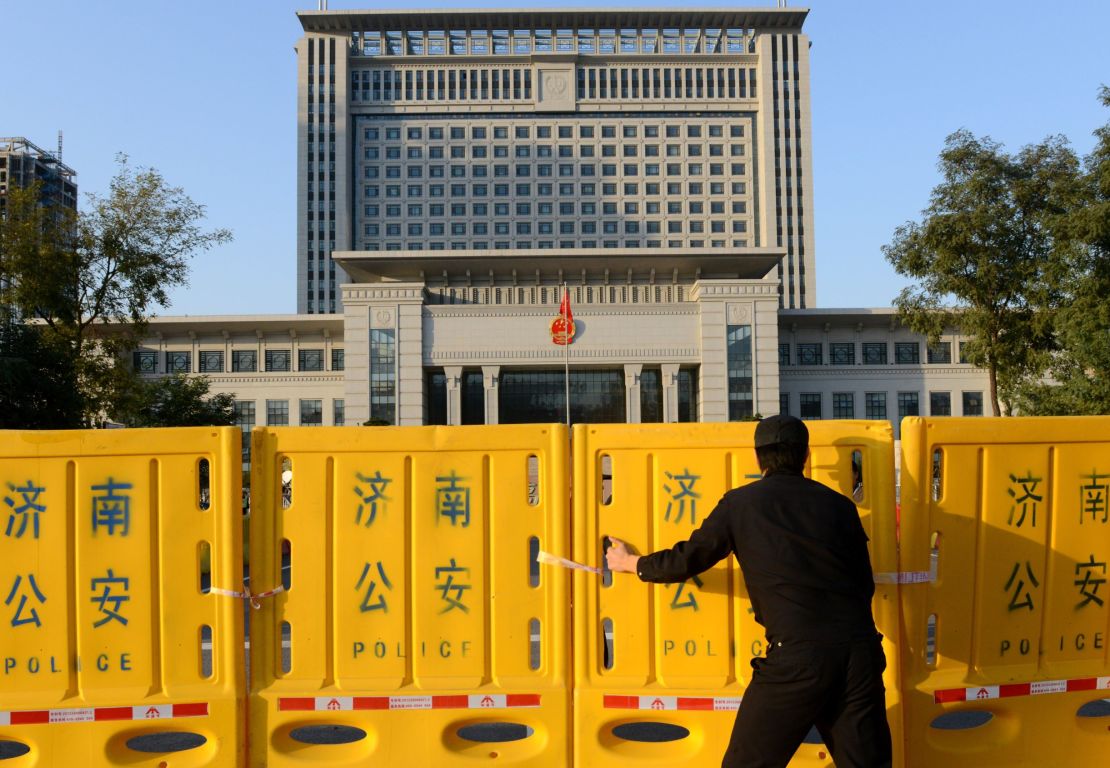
[
  {"x": 482, "y": 228},
  {"x": 589, "y": 294},
  {"x": 563, "y": 209},
  {"x": 389, "y": 85},
  {"x": 687, "y": 83},
  {"x": 566, "y": 189},
  {"x": 873, "y": 353},
  {"x": 242, "y": 361},
  {"x": 875, "y": 404},
  {"x": 521, "y": 42},
  {"x": 547, "y": 170},
  {"x": 503, "y": 245},
  {"x": 628, "y": 130}
]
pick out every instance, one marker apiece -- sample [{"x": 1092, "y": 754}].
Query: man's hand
[{"x": 618, "y": 558}]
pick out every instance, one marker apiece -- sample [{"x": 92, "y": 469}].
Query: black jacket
[{"x": 802, "y": 551}]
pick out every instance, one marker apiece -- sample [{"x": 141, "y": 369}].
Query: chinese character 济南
[
  {"x": 679, "y": 497},
  {"x": 453, "y": 499},
  {"x": 111, "y": 509},
  {"x": 370, "y": 497},
  {"x": 380, "y": 604},
  {"x": 110, "y": 604},
  {"x": 19, "y": 509},
  {"x": 1027, "y": 501},
  {"x": 449, "y": 585}
]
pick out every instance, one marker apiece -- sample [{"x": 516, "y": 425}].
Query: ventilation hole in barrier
[
  {"x": 286, "y": 652},
  {"x": 651, "y": 732},
  {"x": 938, "y": 465},
  {"x": 857, "y": 476},
  {"x": 166, "y": 741},
  {"x": 533, "y": 643},
  {"x": 607, "y": 643},
  {"x": 494, "y": 732},
  {"x": 1099, "y": 708},
  {"x": 286, "y": 564},
  {"x": 606, "y": 574},
  {"x": 533, "y": 481},
  {"x": 813, "y": 737},
  {"x": 606, "y": 480},
  {"x": 13, "y": 749},
  {"x": 285, "y": 482},
  {"x": 327, "y": 734},
  {"x": 533, "y": 561},
  {"x": 205, "y": 651},
  {"x": 961, "y": 721},
  {"x": 204, "y": 485},
  {"x": 204, "y": 567},
  {"x": 931, "y": 640}
]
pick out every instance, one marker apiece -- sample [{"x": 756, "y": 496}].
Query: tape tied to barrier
[
  {"x": 673, "y": 703},
  {"x": 102, "y": 714},
  {"x": 455, "y": 701},
  {"x": 912, "y": 577},
  {"x": 246, "y": 594},
  {"x": 1009, "y": 690}
]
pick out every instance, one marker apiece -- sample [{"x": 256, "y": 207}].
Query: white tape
[{"x": 912, "y": 577}]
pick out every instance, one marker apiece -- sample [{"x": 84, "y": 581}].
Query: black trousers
[{"x": 836, "y": 687}]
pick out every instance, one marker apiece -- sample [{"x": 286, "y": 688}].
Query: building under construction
[{"x": 22, "y": 163}]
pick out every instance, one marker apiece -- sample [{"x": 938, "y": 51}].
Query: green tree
[
  {"x": 37, "y": 381},
  {"x": 1078, "y": 380},
  {"x": 175, "y": 401},
  {"x": 984, "y": 254},
  {"x": 93, "y": 278}
]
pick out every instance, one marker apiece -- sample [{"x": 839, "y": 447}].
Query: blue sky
[{"x": 205, "y": 92}]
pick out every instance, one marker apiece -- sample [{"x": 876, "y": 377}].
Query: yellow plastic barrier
[
  {"x": 652, "y": 660},
  {"x": 113, "y": 650},
  {"x": 1005, "y": 655},
  {"x": 416, "y": 628}
]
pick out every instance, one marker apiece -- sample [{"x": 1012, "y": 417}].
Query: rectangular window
[
  {"x": 277, "y": 359},
  {"x": 940, "y": 403},
  {"x": 844, "y": 405},
  {"x": 212, "y": 361},
  {"x": 784, "y": 403},
  {"x": 310, "y": 360},
  {"x": 973, "y": 403},
  {"x": 178, "y": 362},
  {"x": 337, "y": 412},
  {"x": 964, "y": 360},
  {"x": 874, "y": 353},
  {"x": 687, "y": 394},
  {"x": 784, "y": 354},
  {"x": 312, "y": 413},
  {"x": 907, "y": 353},
  {"x": 809, "y": 354},
  {"x": 337, "y": 359},
  {"x": 842, "y": 353},
  {"x": 739, "y": 360},
  {"x": 874, "y": 405},
  {"x": 908, "y": 405},
  {"x": 244, "y": 419},
  {"x": 244, "y": 361},
  {"x": 809, "y": 405},
  {"x": 940, "y": 353},
  {"x": 383, "y": 376},
  {"x": 145, "y": 361},
  {"x": 277, "y": 413}
]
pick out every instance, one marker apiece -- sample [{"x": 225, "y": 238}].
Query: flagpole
[{"x": 566, "y": 347}]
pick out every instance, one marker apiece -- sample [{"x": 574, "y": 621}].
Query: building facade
[
  {"x": 23, "y": 163},
  {"x": 459, "y": 172}
]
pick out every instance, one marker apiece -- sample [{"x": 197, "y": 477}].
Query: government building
[{"x": 457, "y": 169}]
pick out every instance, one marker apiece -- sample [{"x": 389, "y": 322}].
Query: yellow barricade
[
  {"x": 415, "y": 627},
  {"x": 114, "y": 651},
  {"x": 659, "y": 669},
  {"x": 1005, "y": 655}
]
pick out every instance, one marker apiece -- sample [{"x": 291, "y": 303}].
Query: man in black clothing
[{"x": 803, "y": 554}]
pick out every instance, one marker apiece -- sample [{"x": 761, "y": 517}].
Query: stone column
[
  {"x": 670, "y": 392},
  {"x": 489, "y": 385},
  {"x": 453, "y": 373},
  {"x": 632, "y": 392}
]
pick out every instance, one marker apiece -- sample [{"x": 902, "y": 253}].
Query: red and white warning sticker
[
  {"x": 101, "y": 714},
  {"x": 675, "y": 703},
  {"x": 456, "y": 701},
  {"x": 1009, "y": 690}
]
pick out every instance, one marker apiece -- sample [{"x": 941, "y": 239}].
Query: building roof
[
  {"x": 373, "y": 266},
  {"x": 341, "y": 21},
  {"x": 207, "y": 324}
]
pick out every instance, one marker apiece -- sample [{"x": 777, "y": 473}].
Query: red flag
[{"x": 564, "y": 308}]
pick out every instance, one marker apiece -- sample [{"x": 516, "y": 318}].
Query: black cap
[{"x": 781, "y": 430}]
